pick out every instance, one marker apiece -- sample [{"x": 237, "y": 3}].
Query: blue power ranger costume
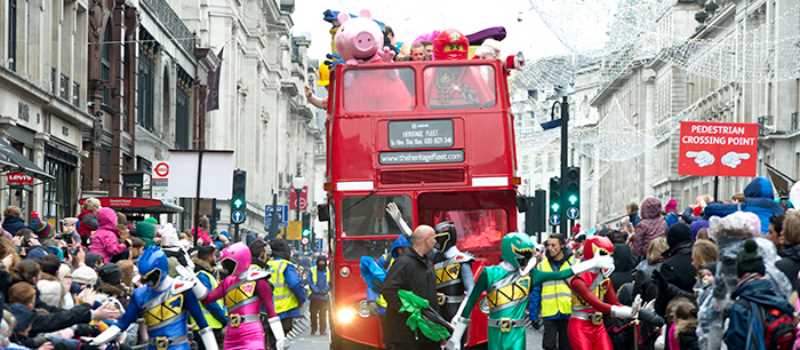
[{"x": 165, "y": 304}]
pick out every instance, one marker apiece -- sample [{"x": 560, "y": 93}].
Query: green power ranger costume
[{"x": 507, "y": 286}]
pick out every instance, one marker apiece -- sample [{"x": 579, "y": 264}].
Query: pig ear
[
  {"x": 365, "y": 14},
  {"x": 342, "y": 17}
]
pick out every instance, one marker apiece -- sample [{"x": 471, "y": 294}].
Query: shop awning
[
  {"x": 133, "y": 205},
  {"x": 13, "y": 160}
]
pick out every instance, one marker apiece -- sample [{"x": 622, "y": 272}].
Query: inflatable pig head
[{"x": 359, "y": 39}]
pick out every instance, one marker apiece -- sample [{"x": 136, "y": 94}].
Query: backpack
[{"x": 779, "y": 327}]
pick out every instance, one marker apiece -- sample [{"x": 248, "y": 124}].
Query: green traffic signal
[
  {"x": 573, "y": 199},
  {"x": 555, "y": 207},
  {"x": 238, "y": 203},
  {"x": 306, "y": 233}
]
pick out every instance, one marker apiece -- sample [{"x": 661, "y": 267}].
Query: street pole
[
  {"x": 197, "y": 196},
  {"x": 716, "y": 189},
  {"x": 299, "y": 191},
  {"x": 236, "y": 237},
  {"x": 564, "y": 159},
  {"x": 273, "y": 225}
]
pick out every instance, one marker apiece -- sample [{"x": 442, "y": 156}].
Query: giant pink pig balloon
[{"x": 360, "y": 40}]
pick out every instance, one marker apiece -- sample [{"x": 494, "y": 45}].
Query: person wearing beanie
[
  {"x": 39, "y": 227},
  {"x": 676, "y": 276},
  {"x": 204, "y": 268},
  {"x": 752, "y": 290},
  {"x": 698, "y": 225},
  {"x": 289, "y": 290},
  {"x": 651, "y": 226},
  {"x": 94, "y": 260},
  {"x": 146, "y": 230},
  {"x": 51, "y": 291},
  {"x": 84, "y": 276}
]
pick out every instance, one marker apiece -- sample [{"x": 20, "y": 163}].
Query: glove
[
  {"x": 332, "y": 59},
  {"x": 598, "y": 262},
  {"x": 277, "y": 331},
  {"x": 537, "y": 324},
  {"x": 207, "y": 336},
  {"x": 108, "y": 335},
  {"x": 459, "y": 327},
  {"x": 199, "y": 289},
  {"x": 621, "y": 311}
]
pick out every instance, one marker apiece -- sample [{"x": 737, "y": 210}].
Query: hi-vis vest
[
  {"x": 210, "y": 319},
  {"x": 556, "y": 295},
  {"x": 284, "y": 299},
  {"x": 314, "y": 275}
]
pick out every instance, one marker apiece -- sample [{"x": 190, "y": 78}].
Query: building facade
[
  {"x": 43, "y": 99},
  {"x": 263, "y": 116}
]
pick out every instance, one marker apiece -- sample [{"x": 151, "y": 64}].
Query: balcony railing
[
  {"x": 64, "y": 90},
  {"x": 167, "y": 16}
]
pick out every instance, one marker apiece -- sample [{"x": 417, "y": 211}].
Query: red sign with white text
[
  {"x": 718, "y": 149},
  {"x": 19, "y": 179},
  {"x": 303, "y": 199}
]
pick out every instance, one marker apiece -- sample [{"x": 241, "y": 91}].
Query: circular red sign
[{"x": 162, "y": 169}]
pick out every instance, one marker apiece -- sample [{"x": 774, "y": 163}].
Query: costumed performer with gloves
[
  {"x": 165, "y": 303},
  {"x": 245, "y": 290},
  {"x": 507, "y": 286}
]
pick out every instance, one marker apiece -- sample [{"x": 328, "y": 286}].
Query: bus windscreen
[
  {"x": 366, "y": 215},
  {"x": 379, "y": 90},
  {"x": 460, "y": 87},
  {"x": 479, "y": 230}
]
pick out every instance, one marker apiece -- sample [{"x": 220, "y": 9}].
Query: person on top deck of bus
[
  {"x": 456, "y": 87},
  {"x": 289, "y": 293}
]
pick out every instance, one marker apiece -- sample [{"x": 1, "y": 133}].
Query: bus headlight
[{"x": 345, "y": 315}]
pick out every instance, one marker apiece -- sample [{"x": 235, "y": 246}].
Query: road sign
[
  {"x": 718, "y": 149},
  {"x": 295, "y": 230},
  {"x": 303, "y": 199},
  {"x": 573, "y": 213},
  {"x": 304, "y": 241},
  {"x": 283, "y": 215},
  {"x": 161, "y": 170},
  {"x": 238, "y": 216},
  {"x": 555, "y": 219}
]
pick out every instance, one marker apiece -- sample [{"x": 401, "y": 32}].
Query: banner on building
[
  {"x": 303, "y": 199},
  {"x": 718, "y": 149},
  {"x": 212, "y": 100}
]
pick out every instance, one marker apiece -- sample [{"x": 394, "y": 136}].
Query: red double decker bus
[{"x": 435, "y": 138}]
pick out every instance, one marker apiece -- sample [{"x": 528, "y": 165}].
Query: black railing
[{"x": 167, "y": 16}]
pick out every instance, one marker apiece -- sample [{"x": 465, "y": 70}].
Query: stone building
[{"x": 43, "y": 101}]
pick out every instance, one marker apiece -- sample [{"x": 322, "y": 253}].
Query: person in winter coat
[
  {"x": 633, "y": 214},
  {"x": 105, "y": 240},
  {"x": 730, "y": 233},
  {"x": 790, "y": 263},
  {"x": 753, "y": 292},
  {"x": 676, "y": 276},
  {"x": 146, "y": 231},
  {"x": 759, "y": 199},
  {"x": 87, "y": 220},
  {"x": 413, "y": 272},
  {"x": 52, "y": 290},
  {"x": 650, "y": 227},
  {"x": 671, "y": 212},
  {"x": 705, "y": 257},
  {"x": 171, "y": 245},
  {"x": 12, "y": 220},
  {"x": 624, "y": 262},
  {"x": 203, "y": 238}
]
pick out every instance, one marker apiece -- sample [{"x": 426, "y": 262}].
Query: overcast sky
[{"x": 411, "y": 18}]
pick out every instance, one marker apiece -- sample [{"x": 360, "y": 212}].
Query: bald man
[{"x": 414, "y": 272}]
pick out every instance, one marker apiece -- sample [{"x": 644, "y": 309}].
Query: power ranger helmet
[
  {"x": 597, "y": 245},
  {"x": 446, "y": 235},
  {"x": 153, "y": 267},
  {"x": 517, "y": 249},
  {"x": 236, "y": 259},
  {"x": 450, "y": 45}
]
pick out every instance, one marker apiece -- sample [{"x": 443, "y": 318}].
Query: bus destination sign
[
  {"x": 421, "y": 134},
  {"x": 422, "y": 157}
]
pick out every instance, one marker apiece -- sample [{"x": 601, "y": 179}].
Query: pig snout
[{"x": 365, "y": 43}]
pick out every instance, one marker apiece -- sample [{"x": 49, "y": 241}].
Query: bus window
[
  {"x": 354, "y": 250},
  {"x": 460, "y": 87},
  {"x": 479, "y": 230},
  {"x": 379, "y": 90},
  {"x": 366, "y": 215}
]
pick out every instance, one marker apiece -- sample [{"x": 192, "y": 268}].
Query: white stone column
[{"x": 39, "y": 141}]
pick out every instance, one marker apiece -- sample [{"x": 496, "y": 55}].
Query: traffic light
[
  {"x": 535, "y": 212},
  {"x": 239, "y": 197},
  {"x": 555, "y": 197},
  {"x": 573, "y": 195}
]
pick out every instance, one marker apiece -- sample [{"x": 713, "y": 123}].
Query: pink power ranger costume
[{"x": 245, "y": 292}]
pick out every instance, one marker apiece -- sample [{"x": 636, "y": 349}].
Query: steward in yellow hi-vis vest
[
  {"x": 288, "y": 290},
  {"x": 551, "y": 303}
]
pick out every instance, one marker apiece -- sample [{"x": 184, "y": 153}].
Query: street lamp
[{"x": 298, "y": 182}]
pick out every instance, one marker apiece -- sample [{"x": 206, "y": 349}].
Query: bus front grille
[{"x": 422, "y": 176}]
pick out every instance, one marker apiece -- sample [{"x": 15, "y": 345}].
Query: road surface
[{"x": 319, "y": 343}]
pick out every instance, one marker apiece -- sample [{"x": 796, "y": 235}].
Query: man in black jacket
[
  {"x": 413, "y": 272},
  {"x": 676, "y": 276}
]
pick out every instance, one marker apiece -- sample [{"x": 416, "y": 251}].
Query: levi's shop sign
[
  {"x": 19, "y": 179},
  {"x": 718, "y": 149}
]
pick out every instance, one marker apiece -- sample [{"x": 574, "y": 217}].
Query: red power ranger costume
[{"x": 592, "y": 297}]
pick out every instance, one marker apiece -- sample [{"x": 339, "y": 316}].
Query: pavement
[{"x": 323, "y": 342}]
